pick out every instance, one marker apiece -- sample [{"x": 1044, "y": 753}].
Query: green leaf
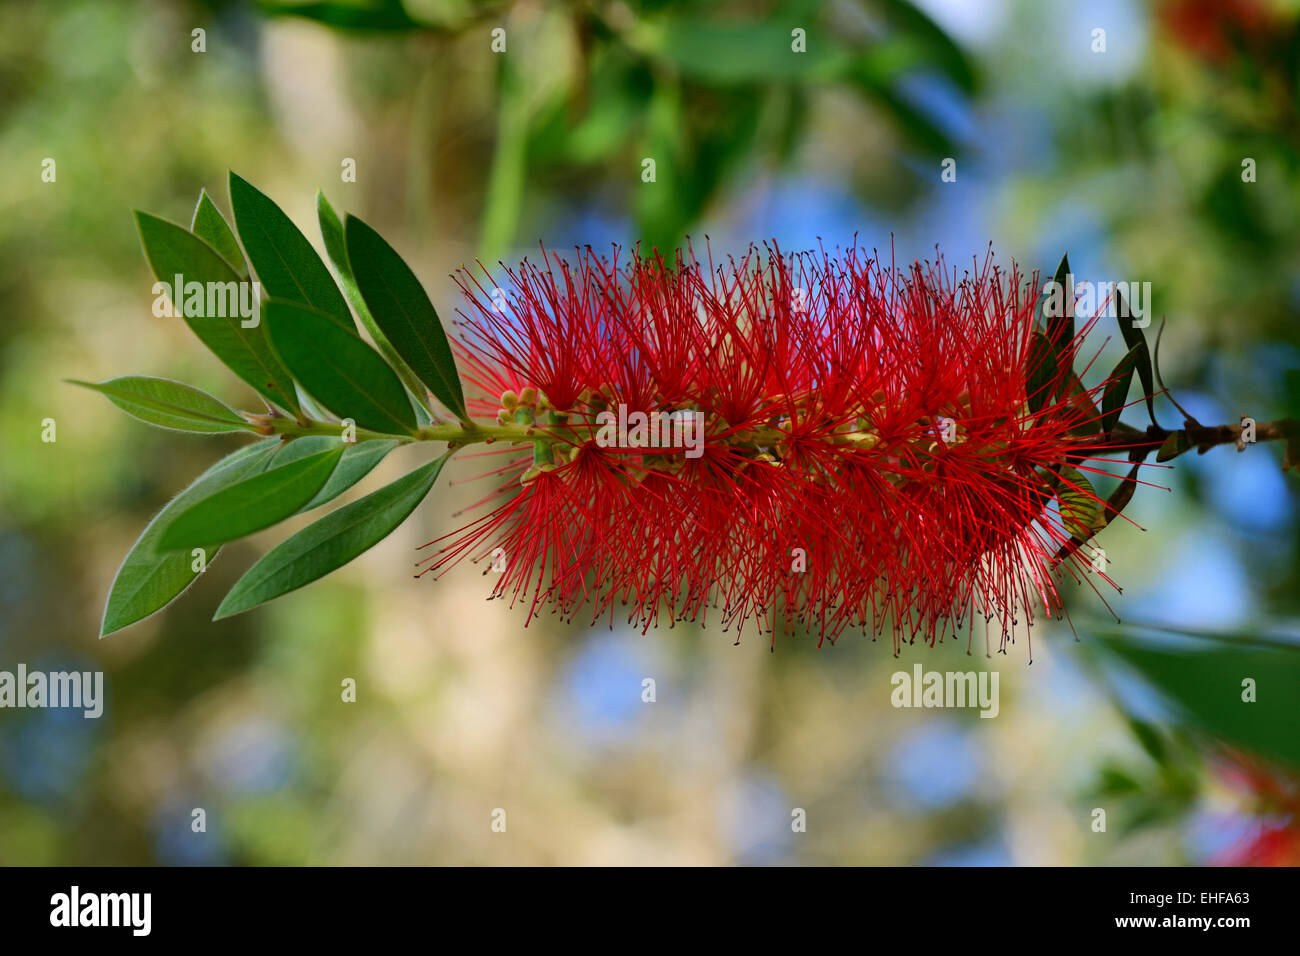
[
  {"x": 340, "y": 371},
  {"x": 252, "y": 504},
  {"x": 331, "y": 542},
  {"x": 1150, "y": 739},
  {"x": 378, "y": 15},
  {"x": 172, "y": 251},
  {"x": 1083, "y": 408},
  {"x": 905, "y": 18},
  {"x": 1042, "y": 371},
  {"x": 1115, "y": 505},
  {"x": 1122, "y": 495},
  {"x": 1080, "y": 507},
  {"x": 210, "y": 226},
  {"x": 1049, "y": 344},
  {"x": 310, "y": 407},
  {"x": 720, "y": 53},
  {"x": 1134, "y": 338},
  {"x": 1115, "y": 394},
  {"x": 168, "y": 404},
  {"x": 358, "y": 461},
  {"x": 1205, "y": 685},
  {"x": 302, "y": 447},
  {"x": 1060, "y": 328},
  {"x": 737, "y": 53},
  {"x": 403, "y": 311},
  {"x": 149, "y": 580},
  {"x": 1173, "y": 446},
  {"x": 331, "y": 230},
  {"x": 286, "y": 264}
]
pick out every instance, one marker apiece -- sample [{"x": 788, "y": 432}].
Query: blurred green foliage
[{"x": 705, "y": 90}]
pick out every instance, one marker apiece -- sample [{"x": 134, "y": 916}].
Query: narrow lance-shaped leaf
[
  {"x": 359, "y": 459},
  {"x": 1173, "y": 446},
  {"x": 1134, "y": 338},
  {"x": 214, "y": 314},
  {"x": 331, "y": 542},
  {"x": 310, "y": 407},
  {"x": 1080, "y": 508},
  {"x": 331, "y": 230},
  {"x": 1051, "y": 340},
  {"x": 1115, "y": 505},
  {"x": 1083, "y": 409},
  {"x": 301, "y": 448},
  {"x": 340, "y": 371},
  {"x": 168, "y": 404},
  {"x": 286, "y": 264},
  {"x": 252, "y": 504},
  {"x": 1059, "y": 322},
  {"x": 1116, "y": 392},
  {"x": 210, "y": 226},
  {"x": 403, "y": 311},
  {"x": 1042, "y": 371},
  {"x": 148, "y": 579},
  {"x": 1122, "y": 495}
]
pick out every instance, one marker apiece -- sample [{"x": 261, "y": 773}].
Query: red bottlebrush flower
[{"x": 829, "y": 440}]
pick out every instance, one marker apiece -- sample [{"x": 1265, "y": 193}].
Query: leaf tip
[{"x": 226, "y": 609}]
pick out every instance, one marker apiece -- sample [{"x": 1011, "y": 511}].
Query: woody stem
[
  {"x": 1201, "y": 437},
  {"x": 1137, "y": 442}
]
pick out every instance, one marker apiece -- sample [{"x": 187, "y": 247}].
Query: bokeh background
[{"x": 1130, "y": 159}]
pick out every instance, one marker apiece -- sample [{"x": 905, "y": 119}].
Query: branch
[{"x": 1139, "y": 444}]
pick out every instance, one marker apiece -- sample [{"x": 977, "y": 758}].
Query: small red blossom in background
[
  {"x": 1212, "y": 29},
  {"x": 1274, "y": 796},
  {"x": 885, "y": 449}
]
